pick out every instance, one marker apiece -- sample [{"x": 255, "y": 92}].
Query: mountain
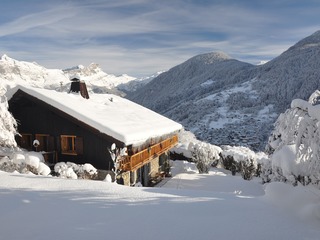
[
  {"x": 184, "y": 81},
  {"x": 97, "y": 81},
  {"x": 33, "y": 74},
  {"x": 137, "y": 83},
  {"x": 225, "y": 101},
  {"x": 293, "y": 74}
]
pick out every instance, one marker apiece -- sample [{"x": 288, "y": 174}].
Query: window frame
[
  {"x": 70, "y": 145},
  {"x": 66, "y": 148}
]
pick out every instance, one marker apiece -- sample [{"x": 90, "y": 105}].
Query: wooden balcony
[{"x": 133, "y": 162}]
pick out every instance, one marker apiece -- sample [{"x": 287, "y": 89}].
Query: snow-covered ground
[{"x": 188, "y": 206}]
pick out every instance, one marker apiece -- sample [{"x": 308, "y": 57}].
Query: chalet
[{"x": 71, "y": 127}]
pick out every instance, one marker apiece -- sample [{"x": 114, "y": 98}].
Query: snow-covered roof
[{"x": 112, "y": 115}]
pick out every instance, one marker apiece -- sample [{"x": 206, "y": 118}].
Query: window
[
  {"x": 43, "y": 142},
  {"x": 71, "y": 145},
  {"x": 46, "y": 142}
]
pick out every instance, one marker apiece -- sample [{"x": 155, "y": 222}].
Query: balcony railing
[{"x": 133, "y": 162}]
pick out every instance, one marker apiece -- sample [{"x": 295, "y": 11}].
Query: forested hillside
[{"x": 225, "y": 101}]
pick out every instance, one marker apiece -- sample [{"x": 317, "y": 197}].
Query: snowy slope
[
  {"x": 214, "y": 206},
  {"x": 225, "y": 101}
]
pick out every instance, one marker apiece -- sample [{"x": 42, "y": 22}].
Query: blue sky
[{"x": 141, "y": 37}]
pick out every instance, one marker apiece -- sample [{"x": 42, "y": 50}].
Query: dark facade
[{"x": 61, "y": 136}]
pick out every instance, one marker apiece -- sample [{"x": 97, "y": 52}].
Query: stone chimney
[{"x": 79, "y": 86}]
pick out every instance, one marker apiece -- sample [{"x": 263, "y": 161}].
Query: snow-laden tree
[
  {"x": 295, "y": 143},
  {"x": 116, "y": 155},
  {"x": 204, "y": 154},
  {"x": 242, "y": 160},
  {"x": 8, "y": 124}
]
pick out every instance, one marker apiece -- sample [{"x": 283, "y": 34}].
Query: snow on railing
[{"x": 133, "y": 162}]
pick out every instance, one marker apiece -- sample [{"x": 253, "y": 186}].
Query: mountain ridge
[
  {"x": 231, "y": 102},
  {"x": 31, "y": 73}
]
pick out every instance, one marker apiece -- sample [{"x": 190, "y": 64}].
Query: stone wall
[
  {"x": 125, "y": 178},
  {"x": 149, "y": 171},
  {"x": 154, "y": 167}
]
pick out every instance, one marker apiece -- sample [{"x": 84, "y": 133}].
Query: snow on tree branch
[
  {"x": 295, "y": 143},
  {"x": 8, "y": 125}
]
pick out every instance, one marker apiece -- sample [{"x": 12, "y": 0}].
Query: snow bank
[
  {"x": 33, "y": 159},
  {"x": 302, "y": 201},
  {"x": 65, "y": 170},
  {"x": 18, "y": 158},
  {"x": 178, "y": 167},
  {"x": 33, "y": 162},
  {"x": 75, "y": 171},
  {"x": 43, "y": 169},
  {"x": 25, "y": 162}
]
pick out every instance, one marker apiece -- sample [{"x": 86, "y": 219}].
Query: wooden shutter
[
  {"x": 58, "y": 144},
  {"x": 26, "y": 141},
  {"x": 64, "y": 144},
  {"x": 50, "y": 144},
  {"x": 79, "y": 145}
]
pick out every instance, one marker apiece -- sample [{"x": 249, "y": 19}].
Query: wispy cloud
[
  {"x": 143, "y": 36},
  {"x": 36, "y": 20}
]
